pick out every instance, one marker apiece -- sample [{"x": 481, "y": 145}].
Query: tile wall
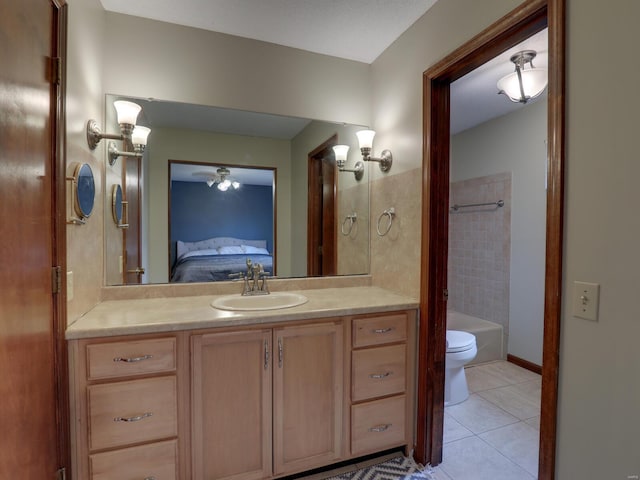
[{"x": 480, "y": 249}]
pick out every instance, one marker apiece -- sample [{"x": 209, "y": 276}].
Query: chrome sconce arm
[
  {"x": 94, "y": 134},
  {"x": 114, "y": 153}
]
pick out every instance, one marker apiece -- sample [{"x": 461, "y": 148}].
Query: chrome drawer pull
[
  {"x": 380, "y": 375},
  {"x": 137, "y": 418},
  {"x": 132, "y": 360},
  {"x": 380, "y": 428},
  {"x": 383, "y": 330}
]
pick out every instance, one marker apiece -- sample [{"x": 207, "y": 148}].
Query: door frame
[
  {"x": 316, "y": 262},
  {"x": 519, "y": 24}
]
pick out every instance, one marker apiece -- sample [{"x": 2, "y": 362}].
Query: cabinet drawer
[
  {"x": 379, "y": 330},
  {"x": 124, "y": 413},
  {"x": 378, "y": 372},
  {"x": 377, "y": 425},
  {"x": 121, "y": 359},
  {"x": 157, "y": 460}
]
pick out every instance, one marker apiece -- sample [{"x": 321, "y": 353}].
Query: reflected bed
[{"x": 216, "y": 258}]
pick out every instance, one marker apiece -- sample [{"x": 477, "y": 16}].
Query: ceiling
[
  {"x": 353, "y": 29},
  {"x": 357, "y": 30}
]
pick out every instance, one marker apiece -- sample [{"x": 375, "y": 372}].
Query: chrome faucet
[{"x": 255, "y": 279}]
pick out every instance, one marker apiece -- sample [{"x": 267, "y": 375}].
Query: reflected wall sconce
[
  {"x": 340, "y": 152},
  {"x": 139, "y": 141},
  {"x": 523, "y": 84},
  {"x": 365, "y": 138},
  {"x": 127, "y": 113}
]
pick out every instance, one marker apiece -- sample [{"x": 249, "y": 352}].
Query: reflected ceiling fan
[{"x": 222, "y": 178}]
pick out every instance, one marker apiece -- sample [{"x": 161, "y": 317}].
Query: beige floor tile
[
  {"x": 509, "y": 372},
  {"x": 478, "y": 379},
  {"x": 512, "y": 400},
  {"x": 454, "y": 430},
  {"x": 474, "y": 459},
  {"x": 518, "y": 442},
  {"x": 480, "y": 415}
]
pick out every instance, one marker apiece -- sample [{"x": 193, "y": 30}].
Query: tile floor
[{"x": 493, "y": 435}]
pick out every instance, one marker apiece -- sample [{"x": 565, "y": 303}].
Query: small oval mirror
[
  {"x": 85, "y": 190},
  {"x": 116, "y": 204}
]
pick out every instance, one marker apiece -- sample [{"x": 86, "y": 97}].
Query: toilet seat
[{"x": 458, "y": 341}]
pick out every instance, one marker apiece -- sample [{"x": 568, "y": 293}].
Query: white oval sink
[{"x": 273, "y": 301}]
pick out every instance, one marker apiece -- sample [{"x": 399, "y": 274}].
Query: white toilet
[{"x": 461, "y": 349}]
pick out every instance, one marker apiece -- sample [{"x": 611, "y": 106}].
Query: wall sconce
[
  {"x": 340, "y": 152},
  {"x": 523, "y": 85},
  {"x": 365, "y": 138},
  {"x": 139, "y": 141},
  {"x": 127, "y": 113}
]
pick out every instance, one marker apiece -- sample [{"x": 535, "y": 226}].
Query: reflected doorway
[{"x": 322, "y": 255}]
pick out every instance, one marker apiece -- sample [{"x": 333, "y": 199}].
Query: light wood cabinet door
[
  {"x": 231, "y": 405},
  {"x": 308, "y": 396}
]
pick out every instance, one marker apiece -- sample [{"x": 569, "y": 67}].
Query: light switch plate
[{"x": 586, "y": 300}]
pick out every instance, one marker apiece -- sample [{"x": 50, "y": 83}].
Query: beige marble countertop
[{"x": 152, "y": 315}]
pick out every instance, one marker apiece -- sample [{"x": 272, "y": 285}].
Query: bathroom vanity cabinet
[
  {"x": 248, "y": 402},
  {"x": 245, "y": 382}
]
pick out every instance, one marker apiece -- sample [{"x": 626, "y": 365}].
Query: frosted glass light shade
[
  {"x": 127, "y": 111},
  {"x": 341, "y": 152},
  {"x": 139, "y": 135},
  {"x": 534, "y": 81},
  {"x": 235, "y": 185},
  {"x": 365, "y": 138}
]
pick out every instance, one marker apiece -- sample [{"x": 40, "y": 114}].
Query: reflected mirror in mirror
[
  {"x": 85, "y": 190},
  {"x": 307, "y": 238}
]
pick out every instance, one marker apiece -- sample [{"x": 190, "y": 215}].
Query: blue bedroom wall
[{"x": 199, "y": 212}]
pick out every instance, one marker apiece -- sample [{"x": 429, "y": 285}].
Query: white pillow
[
  {"x": 198, "y": 253},
  {"x": 230, "y": 249},
  {"x": 250, "y": 249}
]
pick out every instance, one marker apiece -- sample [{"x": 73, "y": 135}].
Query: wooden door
[
  {"x": 308, "y": 395},
  {"x": 32, "y": 440},
  {"x": 231, "y": 405},
  {"x": 132, "y": 234},
  {"x": 322, "y": 255}
]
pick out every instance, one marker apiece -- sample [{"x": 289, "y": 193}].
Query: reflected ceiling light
[
  {"x": 340, "y": 152},
  {"x": 365, "y": 138},
  {"x": 221, "y": 178},
  {"x": 523, "y": 85}
]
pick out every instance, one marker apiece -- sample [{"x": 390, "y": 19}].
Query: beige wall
[
  {"x": 146, "y": 58},
  {"x": 599, "y": 389}
]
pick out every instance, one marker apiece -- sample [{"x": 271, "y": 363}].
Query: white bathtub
[{"x": 489, "y": 338}]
